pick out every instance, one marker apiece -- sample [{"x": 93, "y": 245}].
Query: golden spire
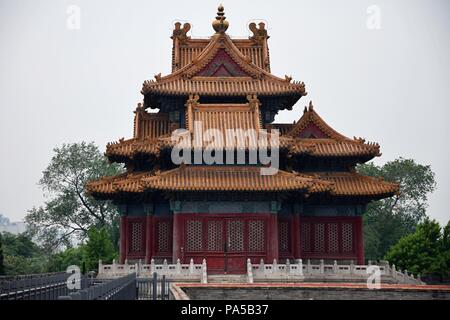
[{"x": 220, "y": 25}]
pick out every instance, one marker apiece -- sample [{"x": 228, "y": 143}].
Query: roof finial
[
  {"x": 311, "y": 107},
  {"x": 220, "y": 25}
]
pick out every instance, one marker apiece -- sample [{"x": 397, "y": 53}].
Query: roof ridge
[{"x": 222, "y": 41}]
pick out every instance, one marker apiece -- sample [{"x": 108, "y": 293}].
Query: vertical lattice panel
[
  {"x": 283, "y": 236},
  {"x": 235, "y": 235},
  {"x": 256, "y": 236},
  {"x": 333, "y": 238},
  {"x": 305, "y": 236},
  {"x": 319, "y": 237},
  {"x": 137, "y": 234},
  {"x": 194, "y": 235},
  {"x": 215, "y": 236},
  {"x": 347, "y": 237},
  {"x": 163, "y": 236}
]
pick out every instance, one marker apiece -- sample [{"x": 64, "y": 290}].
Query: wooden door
[{"x": 225, "y": 241}]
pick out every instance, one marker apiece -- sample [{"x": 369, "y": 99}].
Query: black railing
[
  {"x": 47, "y": 286},
  {"x": 123, "y": 288},
  {"x": 56, "y": 286},
  {"x": 155, "y": 288}
]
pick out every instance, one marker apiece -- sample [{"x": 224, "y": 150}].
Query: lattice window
[
  {"x": 215, "y": 236},
  {"x": 305, "y": 236},
  {"x": 333, "y": 238},
  {"x": 137, "y": 234},
  {"x": 163, "y": 236},
  {"x": 283, "y": 235},
  {"x": 235, "y": 233},
  {"x": 319, "y": 237},
  {"x": 347, "y": 237},
  {"x": 256, "y": 236},
  {"x": 194, "y": 235}
]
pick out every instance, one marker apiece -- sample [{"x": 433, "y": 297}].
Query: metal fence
[
  {"x": 123, "y": 288},
  {"x": 155, "y": 288},
  {"x": 54, "y": 286},
  {"x": 47, "y": 286}
]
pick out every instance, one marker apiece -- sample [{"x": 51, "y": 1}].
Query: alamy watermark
[
  {"x": 373, "y": 21},
  {"x": 73, "y": 21},
  {"x": 374, "y": 279},
  {"x": 231, "y": 147},
  {"x": 74, "y": 280}
]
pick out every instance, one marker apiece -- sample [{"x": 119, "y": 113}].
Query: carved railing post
[
  {"x": 204, "y": 272},
  {"x": 249, "y": 271},
  {"x": 178, "y": 267},
  {"x": 300, "y": 266},
  {"x": 191, "y": 266},
  {"x": 152, "y": 266},
  {"x": 114, "y": 266},
  {"x": 165, "y": 267},
  {"x": 393, "y": 271}
]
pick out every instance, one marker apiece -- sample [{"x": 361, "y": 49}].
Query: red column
[
  {"x": 273, "y": 241},
  {"x": 148, "y": 238},
  {"x": 359, "y": 240},
  {"x": 123, "y": 239},
  {"x": 296, "y": 235},
  {"x": 177, "y": 252}
]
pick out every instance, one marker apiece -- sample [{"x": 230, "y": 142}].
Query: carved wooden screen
[
  {"x": 347, "y": 237},
  {"x": 213, "y": 234},
  {"x": 256, "y": 236},
  {"x": 319, "y": 238},
  {"x": 194, "y": 235},
  {"x": 284, "y": 237},
  {"x": 305, "y": 234},
  {"x": 226, "y": 241},
  {"x": 163, "y": 236},
  {"x": 136, "y": 237},
  {"x": 235, "y": 235},
  {"x": 215, "y": 240},
  {"x": 332, "y": 237}
]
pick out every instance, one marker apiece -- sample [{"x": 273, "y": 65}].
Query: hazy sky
[{"x": 57, "y": 85}]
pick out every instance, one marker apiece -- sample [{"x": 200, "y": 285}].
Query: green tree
[
  {"x": 424, "y": 251},
  {"x": 2, "y": 258},
  {"x": 70, "y": 212},
  {"x": 98, "y": 247},
  {"x": 61, "y": 260},
  {"x": 22, "y": 255},
  {"x": 388, "y": 220}
]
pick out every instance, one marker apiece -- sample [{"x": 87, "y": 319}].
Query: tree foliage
[
  {"x": 61, "y": 260},
  {"x": 2, "y": 257},
  {"x": 388, "y": 220},
  {"x": 21, "y": 255},
  {"x": 97, "y": 247},
  {"x": 426, "y": 250},
  {"x": 69, "y": 213}
]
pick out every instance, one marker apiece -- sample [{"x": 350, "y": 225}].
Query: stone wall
[{"x": 280, "y": 293}]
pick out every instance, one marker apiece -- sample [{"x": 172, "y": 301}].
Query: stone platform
[{"x": 306, "y": 291}]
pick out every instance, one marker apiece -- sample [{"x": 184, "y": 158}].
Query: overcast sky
[{"x": 383, "y": 79}]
